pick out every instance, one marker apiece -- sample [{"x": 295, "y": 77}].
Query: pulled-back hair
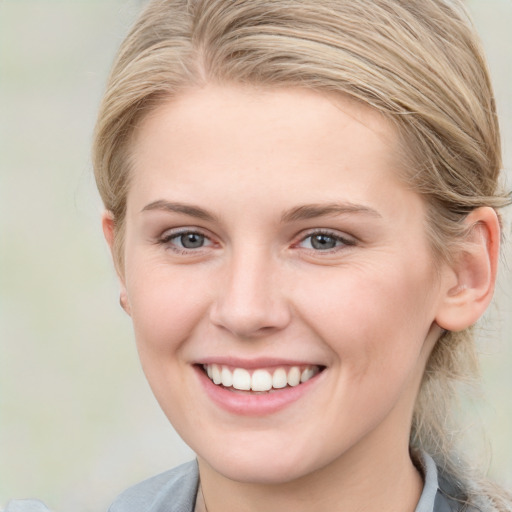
[{"x": 418, "y": 62}]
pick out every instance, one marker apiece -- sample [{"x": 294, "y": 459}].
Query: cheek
[
  {"x": 372, "y": 318},
  {"x": 166, "y": 306},
  {"x": 167, "y": 309}
]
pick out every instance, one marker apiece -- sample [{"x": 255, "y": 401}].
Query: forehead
[
  {"x": 260, "y": 110},
  {"x": 240, "y": 137}
]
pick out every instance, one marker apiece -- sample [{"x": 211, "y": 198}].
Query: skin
[{"x": 244, "y": 162}]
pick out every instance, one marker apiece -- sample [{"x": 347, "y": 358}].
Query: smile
[{"x": 260, "y": 380}]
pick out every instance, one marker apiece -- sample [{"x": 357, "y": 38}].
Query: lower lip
[{"x": 252, "y": 404}]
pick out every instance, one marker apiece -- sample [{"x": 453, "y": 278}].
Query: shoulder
[
  {"x": 25, "y": 506},
  {"x": 440, "y": 494},
  {"x": 455, "y": 497},
  {"x": 172, "y": 491},
  {"x": 449, "y": 501}
]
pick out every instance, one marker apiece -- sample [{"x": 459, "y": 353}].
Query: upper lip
[{"x": 260, "y": 362}]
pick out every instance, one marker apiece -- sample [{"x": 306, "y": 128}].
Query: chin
[
  {"x": 267, "y": 472},
  {"x": 265, "y": 466}
]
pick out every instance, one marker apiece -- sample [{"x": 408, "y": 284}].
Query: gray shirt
[{"x": 175, "y": 491}]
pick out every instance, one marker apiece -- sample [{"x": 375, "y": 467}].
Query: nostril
[{"x": 252, "y": 317}]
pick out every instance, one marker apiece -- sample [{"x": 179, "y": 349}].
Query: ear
[
  {"x": 108, "y": 225},
  {"x": 470, "y": 280}
]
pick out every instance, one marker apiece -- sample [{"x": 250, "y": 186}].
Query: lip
[
  {"x": 254, "y": 364},
  {"x": 254, "y": 404}
]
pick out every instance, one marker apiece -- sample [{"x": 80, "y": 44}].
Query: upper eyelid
[
  {"x": 169, "y": 235},
  {"x": 326, "y": 231},
  {"x": 170, "y": 232}
]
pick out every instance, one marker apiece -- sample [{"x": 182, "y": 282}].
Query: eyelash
[
  {"x": 344, "y": 241},
  {"x": 167, "y": 240},
  {"x": 340, "y": 241}
]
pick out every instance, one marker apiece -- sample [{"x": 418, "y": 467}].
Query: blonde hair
[{"x": 418, "y": 62}]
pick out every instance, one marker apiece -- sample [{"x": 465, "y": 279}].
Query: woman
[{"x": 301, "y": 204}]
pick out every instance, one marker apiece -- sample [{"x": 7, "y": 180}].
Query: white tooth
[
  {"x": 279, "y": 379},
  {"x": 227, "y": 377},
  {"x": 307, "y": 374},
  {"x": 261, "y": 381},
  {"x": 294, "y": 376},
  {"x": 209, "y": 372},
  {"x": 217, "y": 379},
  {"x": 241, "y": 379}
]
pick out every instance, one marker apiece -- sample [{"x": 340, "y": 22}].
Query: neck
[{"x": 384, "y": 482}]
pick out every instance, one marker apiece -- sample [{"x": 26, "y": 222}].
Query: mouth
[{"x": 260, "y": 380}]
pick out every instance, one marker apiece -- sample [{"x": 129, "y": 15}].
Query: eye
[
  {"x": 184, "y": 241},
  {"x": 325, "y": 241},
  {"x": 190, "y": 240}
]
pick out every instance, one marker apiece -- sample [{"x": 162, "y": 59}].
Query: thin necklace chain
[{"x": 202, "y": 496}]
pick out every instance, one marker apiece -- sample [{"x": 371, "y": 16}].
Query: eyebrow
[
  {"x": 303, "y": 212},
  {"x": 311, "y": 211},
  {"x": 187, "y": 209}
]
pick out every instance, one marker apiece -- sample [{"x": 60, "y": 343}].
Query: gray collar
[{"x": 431, "y": 485}]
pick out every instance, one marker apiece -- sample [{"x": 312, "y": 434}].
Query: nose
[{"x": 250, "y": 302}]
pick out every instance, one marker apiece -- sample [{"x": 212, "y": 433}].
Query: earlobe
[
  {"x": 472, "y": 277},
  {"x": 123, "y": 300}
]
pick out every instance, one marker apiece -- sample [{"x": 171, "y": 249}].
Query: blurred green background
[{"x": 78, "y": 422}]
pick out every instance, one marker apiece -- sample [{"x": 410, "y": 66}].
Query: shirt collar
[{"x": 428, "y": 496}]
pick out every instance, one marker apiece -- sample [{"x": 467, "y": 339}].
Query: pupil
[
  {"x": 323, "y": 242},
  {"x": 192, "y": 240}
]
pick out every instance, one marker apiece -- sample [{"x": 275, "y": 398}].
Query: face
[{"x": 279, "y": 279}]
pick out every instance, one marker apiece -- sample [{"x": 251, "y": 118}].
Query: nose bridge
[{"x": 250, "y": 302}]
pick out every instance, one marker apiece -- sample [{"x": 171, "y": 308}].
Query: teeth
[
  {"x": 307, "y": 374},
  {"x": 241, "y": 379},
  {"x": 217, "y": 379},
  {"x": 226, "y": 377},
  {"x": 279, "y": 379},
  {"x": 294, "y": 376},
  {"x": 260, "y": 380}
]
